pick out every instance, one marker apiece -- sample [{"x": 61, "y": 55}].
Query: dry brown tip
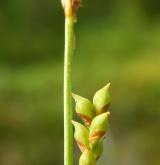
[{"x": 70, "y": 7}]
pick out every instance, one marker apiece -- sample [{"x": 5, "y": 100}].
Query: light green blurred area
[{"x": 116, "y": 41}]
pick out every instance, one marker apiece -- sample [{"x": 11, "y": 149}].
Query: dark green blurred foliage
[{"x": 116, "y": 41}]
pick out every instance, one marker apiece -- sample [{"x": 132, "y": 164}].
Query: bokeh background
[{"x": 117, "y": 41}]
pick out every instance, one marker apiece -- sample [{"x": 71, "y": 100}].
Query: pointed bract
[
  {"x": 87, "y": 158},
  {"x": 98, "y": 127},
  {"x": 102, "y": 100},
  {"x": 84, "y": 108},
  {"x": 81, "y": 135},
  {"x": 97, "y": 149}
]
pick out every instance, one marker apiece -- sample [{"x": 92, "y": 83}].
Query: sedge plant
[{"x": 89, "y": 136}]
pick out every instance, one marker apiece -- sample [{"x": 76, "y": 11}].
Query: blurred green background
[{"x": 117, "y": 41}]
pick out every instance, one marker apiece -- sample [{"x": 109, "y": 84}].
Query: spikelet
[{"x": 95, "y": 116}]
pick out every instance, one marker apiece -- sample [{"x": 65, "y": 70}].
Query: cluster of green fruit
[{"x": 89, "y": 137}]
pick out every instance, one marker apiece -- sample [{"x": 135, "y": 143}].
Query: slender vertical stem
[{"x": 68, "y": 133}]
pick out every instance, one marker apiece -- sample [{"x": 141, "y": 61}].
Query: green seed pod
[
  {"x": 97, "y": 149},
  {"x": 87, "y": 158},
  {"x": 98, "y": 127},
  {"x": 84, "y": 108},
  {"x": 102, "y": 100},
  {"x": 81, "y": 136}
]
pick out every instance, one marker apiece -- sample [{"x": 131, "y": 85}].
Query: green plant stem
[{"x": 68, "y": 132}]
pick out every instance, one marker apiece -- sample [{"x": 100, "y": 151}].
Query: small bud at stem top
[{"x": 70, "y": 7}]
